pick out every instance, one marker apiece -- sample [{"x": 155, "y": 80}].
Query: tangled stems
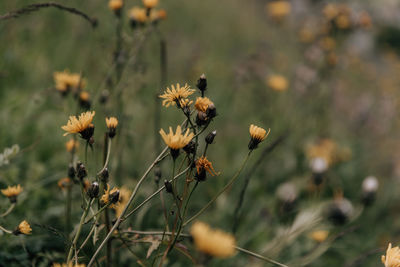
[
  {"x": 220, "y": 192},
  {"x": 9, "y": 210},
  {"x": 119, "y": 220},
  {"x": 73, "y": 246}
]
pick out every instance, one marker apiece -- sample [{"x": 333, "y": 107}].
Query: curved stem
[
  {"x": 5, "y": 230},
  {"x": 258, "y": 256},
  {"x": 118, "y": 222},
  {"x": 8, "y": 211},
  {"x": 107, "y": 156},
  {"x": 221, "y": 191}
]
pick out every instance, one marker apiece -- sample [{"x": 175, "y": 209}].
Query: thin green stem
[
  {"x": 9, "y": 210},
  {"x": 5, "y": 230},
  {"x": 107, "y": 157},
  {"x": 258, "y": 256},
  {"x": 221, "y": 191},
  {"x": 97, "y": 213}
]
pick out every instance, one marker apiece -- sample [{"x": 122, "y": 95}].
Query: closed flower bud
[
  {"x": 340, "y": 211},
  {"x": 201, "y": 118},
  {"x": 211, "y": 111},
  {"x": 202, "y": 83},
  {"x": 369, "y": 188},
  {"x": 168, "y": 186},
  {"x": 71, "y": 171},
  {"x": 104, "y": 175},
  {"x": 210, "y": 137},
  {"x": 81, "y": 171},
  {"x": 93, "y": 190},
  {"x": 114, "y": 197}
]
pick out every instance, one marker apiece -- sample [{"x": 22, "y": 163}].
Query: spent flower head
[{"x": 203, "y": 165}]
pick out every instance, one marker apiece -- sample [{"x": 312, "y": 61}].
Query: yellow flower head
[
  {"x": 124, "y": 195},
  {"x": 84, "y": 96},
  {"x": 203, "y": 165},
  {"x": 12, "y": 192},
  {"x": 257, "y": 135},
  {"x": 177, "y": 140},
  {"x": 111, "y": 197},
  {"x": 138, "y": 14},
  {"x": 176, "y": 95},
  {"x": 278, "y": 9},
  {"x": 80, "y": 124},
  {"x": 343, "y": 21},
  {"x": 23, "y": 228},
  {"x": 111, "y": 122},
  {"x": 319, "y": 236},
  {"x": 392, "y": 258},
  {"x": 330, "y": 11},
  {"x": 150, "y": 3},
  {"x": 64, "y": 183},
  {"x": 277, "y": 83},
  {"x": 156, "y": 15},
  {"x": 213, "y": 242},
  {"x": 115, "y": 5},
  {"x": 71, "y": 145},
  {"x": 65, "y": 81},
  {"x": 202, "y": 104}
]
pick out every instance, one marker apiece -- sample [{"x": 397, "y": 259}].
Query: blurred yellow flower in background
[{"x": 277, "y": 82}]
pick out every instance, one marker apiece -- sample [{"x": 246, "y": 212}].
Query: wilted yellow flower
[
  {"x": 278, "y": 9},
  {"x": 150, "y": 3},
  {"x": 257, "y": 135},
  {"x": 64, "y": 183},
  {"x": 115, "y": 5},
  {"x": 392, "y": 258},
  {"x": 203, "y": 165},
  {"x": 71, "y": 145},
  {"x": 176, "y": 95},
  {"x": 202, "y": 104},
  {"x": 12, "y": 192},
  {"x": 111, "y": 197},
  {"x": 23, "y": 228},
  {"x": 138, "y": 14},
  {"x": 124, "y": 195},
  {"x": 213, "y": 242},
  {"x": 65, "y": 81},
  {"x": 277, "y": 82},
  {"x": 80, "y": 124},
  {"x": 177, "y": 140},
  {"x": 319, "y": 236}
]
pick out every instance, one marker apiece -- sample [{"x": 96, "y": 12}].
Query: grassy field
[{"x": 322, "y": 75}]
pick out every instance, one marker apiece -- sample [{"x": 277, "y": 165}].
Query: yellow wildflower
[
  {"x": 177, "y": 140},
  {"x": 124, "y": 195},
  {"x": 82, "y": 124},
  {"x": 319, "y": 236},
  {"x": 278, "y": 9},
  {"x": 176, "y": 95},
  {"x": 150, "y": 3},
  {"x": 12, "y": 192},
  {"x": 202, "y": 104},
  {"x": 257, "y": 135},
  {"x": 392, "y": 258},
  {"x": 115, "y": 5},
  {"x": 65, "y": 81},
  {"x": 138, "y": 14},
  {"x": 23, "y": 228},
  {"x": 71, "y": 145},
  {"x": 277, "y": 83}
]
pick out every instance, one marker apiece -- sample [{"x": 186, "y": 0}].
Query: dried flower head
[
  {"x": 277, "y": 83},
  {"x": 319, "y": 235},
  {"x": 203, "y": 165},
  {"x": 138, "y": 15},
  {"x": 202, "y": 104},
  {"x": 65, "y": 81},
  {"x": 112, "y": 124},
  {"x": 82, "y": 125},
  {"x": 150, "y": 3},
  {"x": 124, "y": 195},
  {"x": 392, "y": 258},
  {"x": 178, "y": 140},
  {"x": 64, "y": 183},
  {"x": 278, "y": 9},
  {"x": 23, "y": 228},
  {"x": 213, "y": 242},
  {"x": 257, "y": 135},
  {"x": 71, "y": 145},
  {"x": 109, "y": 196},
  {"x": 115, "y": 5},
  {"x": 12, "y": 192},
  {"x": 176, "y": 95}
]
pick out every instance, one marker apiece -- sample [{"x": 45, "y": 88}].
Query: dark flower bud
[
  {"x": 81, "y": 171},
  {"x": 71, "y": 171},
  {"x": 201, "y": 175},
  {"x": 104, "y": 175},
  {"x": 340, "y": 211},
  {"x": 202, "y": 83},
  {"x": 168, "y": 186},
  {"x": 114, "y": 197},
  {"x": 201, "y": 118},
  {"x": 210, "y": 137},
  {"x": 190, "y": 148},
  {"x": 93, "y": 190},
  {"x": 211, "y": 111}
]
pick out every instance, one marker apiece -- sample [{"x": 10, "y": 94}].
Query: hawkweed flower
[
  {"x": 257, "y": 135},
  {"x": 116, "y": 5},
  {"x": 23, "y": 228},
  {"x": 176, "y": 141},
  {"x": 150, "y": 3},
  {"x": 277, "y": 83},
  {"x": 278, "y": 10},
  {"x": 202, "y": 104},
  {"x": 203, "y": 165},
  {"x": 12, "y": 192},
  {"x": 71, "y": 145},
  {"x": 110, "y": 196},
  {"x": 392, "y": 258},
  {"x": 112, "y": 124},
  {"x": 64, "y": 183},
  {"x": 124, "y": 194},
  {"x": 157, "y": 15},
  {"x": 82, "y": 125},
  {"x": 137, "y": 16},
  {"x": 65, "y": 81},
  {"x": 319, "y": 235},
  {"x": 84, "y": 100},
  {"x": 213, "y": 242},
  {"x": 176, "y": 95}
]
